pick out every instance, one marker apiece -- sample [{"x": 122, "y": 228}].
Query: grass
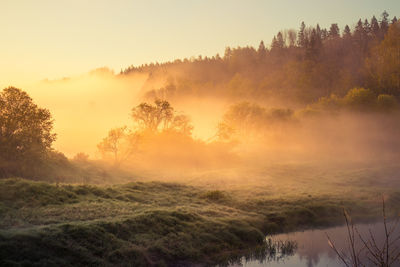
[{"x": 174, "y": 223}]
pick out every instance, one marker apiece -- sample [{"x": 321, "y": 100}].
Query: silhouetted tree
[
  {"x": 120, "y": 143},
  {"x": 346, "y": 32},
  {"x": 279, "y": 43},
  {"x": 25, "y": 129},
  {"x": 152, "y": 117},
  {"x": 334, "y": 31},
  {"x": 25, "y": 134},
  {"x": 360, "y": 37},
  {"x": 301, "y": 40},
  {"x": 160, "y": 117},
  {"x": 262, "y": 51},
  {"x": 384, "y": 24},
  {"x": 291, "y": 37},
  {"x": 374, "y": 27}
]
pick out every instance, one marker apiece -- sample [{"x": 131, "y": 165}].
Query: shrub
[
  {"x": 331, "y": 103},
  {"x": 360, "y": 99}
]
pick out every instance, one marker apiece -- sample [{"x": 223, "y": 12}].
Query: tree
[
  {"x": 182, "y": 124},
  {"x": 262, "y": 51},
  {"x": 314, "y": 45},
  {"x": 374, "y": 27},
  {"x": 334, "y": 31},
  {"x": 346, "y": 32},
  {"x": 274, "y": 43},
  {"x": 278, "y": 42},
  {"x": 360, "y": 37},
  {"x": 120, "y": 143},
  {"x": 291, "y": 37},
  {"x": 153, "y": 117},
  {"x": 25, "y": 129},
  {"x": 384, "y": 64},
  {"x": 367, "y": 27},
  {"x": 384, "y": 23},
  {"x": 324, "y": 34},
  {"x": 160, "y": 117},
  {"x": 302, "y": 38}
]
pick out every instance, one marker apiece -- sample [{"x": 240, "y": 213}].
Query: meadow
[{"x": 205, "y": 219}]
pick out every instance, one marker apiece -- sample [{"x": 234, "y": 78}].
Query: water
[{"x": 311, "y": 248}]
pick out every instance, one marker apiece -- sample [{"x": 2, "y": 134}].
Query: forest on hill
[{"x": 299, "y": 66}]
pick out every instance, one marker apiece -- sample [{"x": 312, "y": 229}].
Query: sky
[{"x": 49, "y": 39}]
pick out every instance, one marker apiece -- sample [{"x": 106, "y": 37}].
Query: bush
[
  {"x": 331, "y": 103},
  {"x": 360, "y": 99}
]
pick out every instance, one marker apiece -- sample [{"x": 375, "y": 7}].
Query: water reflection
[{"x": 312, "y": 249}]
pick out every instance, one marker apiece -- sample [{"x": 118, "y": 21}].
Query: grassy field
[{"x": 204, "y": 218}]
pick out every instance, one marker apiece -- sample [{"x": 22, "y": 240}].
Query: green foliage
[
  {"x": 331, "y": 103},
  {"x": 383, "y": 65},
  {"x": 19, "y": 193},
  {"x": 360, "y": 99}
]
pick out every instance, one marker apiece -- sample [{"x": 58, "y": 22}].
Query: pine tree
[
  {"x": 314, "y": 45},
  {"x": 302, "y": 38},
  {"x": 274, "y": 43},
  {"x": 280, "y": 41},
  {"x": 346, "y": 32},
  {"x": 261, "y": 50},
  {"x": 384, "y": 24},
  {"x": 360, "y": 36},
  {"x": 324, "y": 34},
  {"x": 374, "y": 27},
  {"x": 334, "y": 31},
  {"x": 367, "y": 27}
]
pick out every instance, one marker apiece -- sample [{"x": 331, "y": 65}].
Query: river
[{"x": 311, "y": 248}]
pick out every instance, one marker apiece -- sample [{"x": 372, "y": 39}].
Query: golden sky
[{"x": 53, "y": 39}]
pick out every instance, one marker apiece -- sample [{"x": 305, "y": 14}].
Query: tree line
[{"x": 300, "y": 65}]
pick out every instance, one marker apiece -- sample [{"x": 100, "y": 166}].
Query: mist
[
  {"x": 200, "y": 161},
  {"x": 85, "y": 107}
]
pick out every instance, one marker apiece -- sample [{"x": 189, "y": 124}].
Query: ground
[{"x": 203, "y": 218}]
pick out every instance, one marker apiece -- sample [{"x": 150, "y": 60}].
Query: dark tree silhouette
[
  {"x": 25, "y": 132},
  {"x": 25, "y": 129}
]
